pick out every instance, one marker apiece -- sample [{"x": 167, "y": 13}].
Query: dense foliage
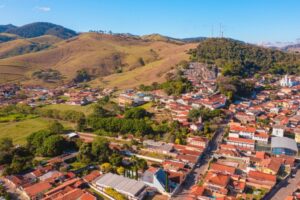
[
  {"x": 136, "y": 113},
  {"x": 241, "y": 59},
  {"x": 47, "y": 75},
  {"x": 116, "y": 125},
  {"x": 205, "y": 114},
  {"x": 174, "y": 85},
  {"x": 97, "y": 151},
  {"x": 82, "y": 76},
  {"x": 16, "y": 159},
  {"x": 66, "y": 115}
]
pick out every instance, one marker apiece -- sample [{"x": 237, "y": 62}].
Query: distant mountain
[
  {"x": 158, "y": 37},
  {"x": 162, "y": 38},
  {"x": 193, "y": 39},
  {"x": 4, "y": 28},
  {"x": 39, "y": 29},
  {"x": 295, "y": 48}
]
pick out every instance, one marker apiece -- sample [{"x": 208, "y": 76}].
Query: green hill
[
  {"x": 242, "y": 59},
  {"x": 39, "y": 29}
]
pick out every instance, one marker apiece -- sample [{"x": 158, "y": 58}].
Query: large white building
[
  {"x": 132, "y": 189},
  {"x": 287, "y": 81}
]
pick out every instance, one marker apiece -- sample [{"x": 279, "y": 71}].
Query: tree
[
  {"x": 6, "y": 148},
  {"x": 101, "y": 150},
  {"x": 115, "y": 159},
  {"x": 121, "y": 170},
  {"x": 194, "y": 114},
  {"x": 22, "y": 160},
  {"x": 36, "y": 140},
  {"x": 6, "y": 144},
  {"x": 106, "y": 167},
  {"x": 56, "y": 127},
  {"x": 136, "y": 113},
  {"x": 85, "y": 153},
  {"x": 81, "y": 124},
  {"x": 99, "y": 111},
  {"x": 53, "y": 145},
  {"x": 82, "y": 76}
]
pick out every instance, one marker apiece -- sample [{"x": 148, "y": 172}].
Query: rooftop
[
  {"x": 284, "y": 142},
  {"x": 122, "y": 184}
]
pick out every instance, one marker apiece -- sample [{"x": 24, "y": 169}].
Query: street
[
  {"x": 184, "y": 192},
  {"x": 284, "y": 189}
]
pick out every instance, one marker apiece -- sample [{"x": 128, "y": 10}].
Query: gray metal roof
[
  {"x": 122, "y": 184},
  {"x": 284, "y": 142}
]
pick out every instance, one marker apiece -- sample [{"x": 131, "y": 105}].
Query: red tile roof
[
  {"x": 217, "y": 179},
  {"x": 92, "y": 176},
  {"x": 222, "y": 168},
  {"x": 241, "y": 140},
  {"x": 261, "y": 176},
  {"x": 37, "y": 188}
]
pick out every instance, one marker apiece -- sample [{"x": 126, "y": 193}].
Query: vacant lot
[{"x": 18, "y": 131}]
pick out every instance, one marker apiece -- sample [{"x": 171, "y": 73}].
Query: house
[
  {"x": 244, "y": 118},
  {"x": 70, "y": 189},
  {"x": 197, "y": 191},
  {"x": 270, "y": 165},
  {"x": 261, "y": 137},
  {"x": 158, "y": 178},
  {"x": 242, "y": 131},
  {"x": 219, "y": 168},
  {"x": 91, "y": 176},
  {"x": 125, "y": 101},
  {"x": 217, "y": 183},
  {"x": 297, "y": 135},
  {"x": 278, "y": 130},
  {"x": 37, "y": 190},
  {"x": 197, "y": 141},
  {"x": 261, "y": 180},
  {"x": 158, "y": 147},
  {"x": 284, "y": 145},
  {"x": 73, "y": 193},
  {"x": 132, "y": 189},
  {"x": 172, "y": 165},
  {"x": 241, "y": 142}
]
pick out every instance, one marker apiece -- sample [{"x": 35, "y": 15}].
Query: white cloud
[{"x": 43, "y": 8}]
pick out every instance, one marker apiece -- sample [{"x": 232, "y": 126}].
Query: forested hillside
[{"x": 241, "y": 59}]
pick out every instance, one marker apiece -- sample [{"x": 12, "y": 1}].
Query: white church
[{"x": 287, "y": 81}]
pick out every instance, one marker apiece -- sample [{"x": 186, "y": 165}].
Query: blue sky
[{"x": 249, "y": 20}]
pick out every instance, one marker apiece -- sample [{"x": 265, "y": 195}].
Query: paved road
[
  {"x": 197, "y": 173},
  {"x": 14, "y": 194},
  {"x": 285, "y": 189}
]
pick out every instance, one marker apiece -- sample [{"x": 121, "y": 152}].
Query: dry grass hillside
[
  {"x": 102, "y": 55},
  {"x": 24, "y": 46}
]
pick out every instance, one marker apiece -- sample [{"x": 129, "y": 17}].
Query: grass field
[
  {"x": 101, "y": 55},
  {"x": 62, "y": 107},
  {"x": 18, "y": 131}
]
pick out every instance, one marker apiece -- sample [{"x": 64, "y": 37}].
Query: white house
[{"x": 278, "y": 131}]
